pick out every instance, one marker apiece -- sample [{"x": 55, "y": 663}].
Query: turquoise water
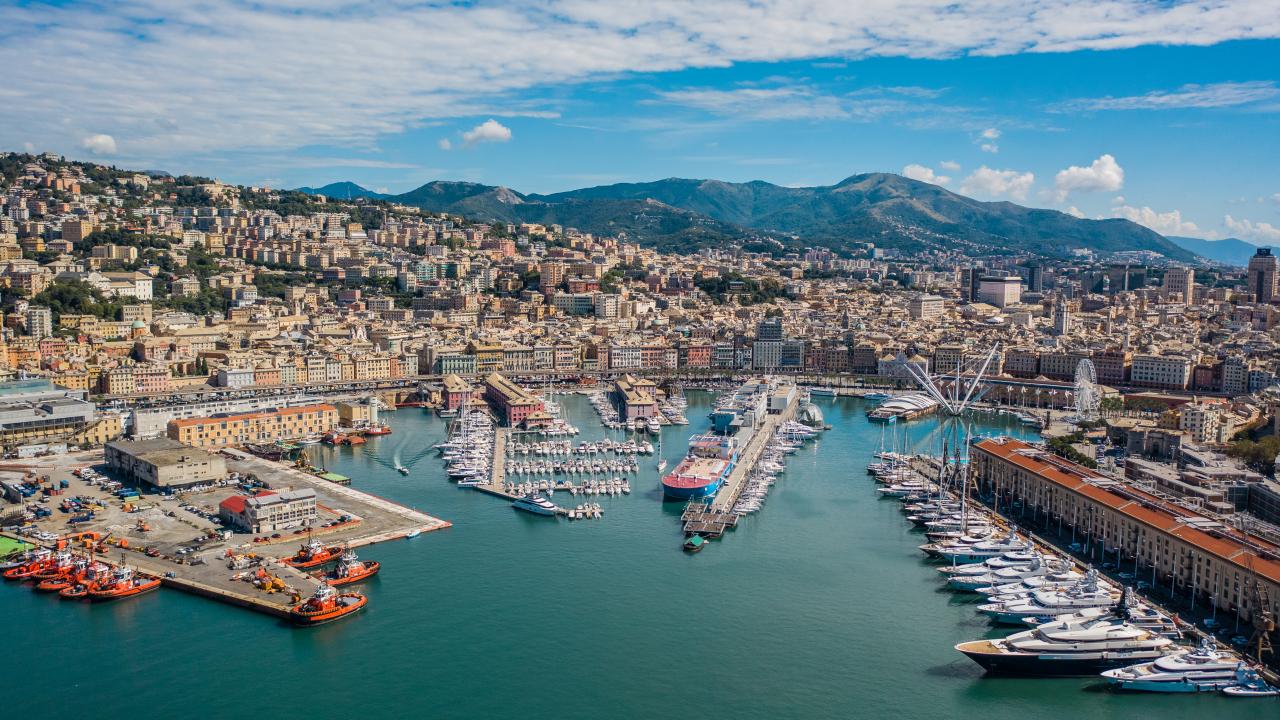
[{"x": 819, "y": 606}]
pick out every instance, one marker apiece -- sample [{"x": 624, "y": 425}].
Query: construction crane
[{"x": 1264, "y": 620}]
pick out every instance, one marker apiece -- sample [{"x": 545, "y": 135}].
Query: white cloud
[
  {"x": 985, "y": 182},
  {"x": 445, "y": 144},
  {"x": 990, "y": 148},
  {"x": 99, "y": 144},
  {"x": 1217, "y": 95},
  {"x": 1254, "y": 232},
  {"x": 488, "y": 131},
  {"x": 785, "y": 100},
  {"x": 951, "y": 165},
  {"x": 924, "y": 174},
  {"x": 1074, "y": 211},
  {"x": 990, "y": 134},
  {"x": 1104, "y": 174},
  {"x": 1165, "y": 223},
  {"x": 482, "y": 58}
]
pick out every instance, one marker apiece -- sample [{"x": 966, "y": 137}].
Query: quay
[{"x": 711, "y": 519}]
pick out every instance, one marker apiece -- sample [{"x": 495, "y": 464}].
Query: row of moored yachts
[
  {"x": 564, "y": 447},
  {"x": 1075, "y": 623},
  {"x": 468, "y": 453},
  {"x": 786, "y": 440}
]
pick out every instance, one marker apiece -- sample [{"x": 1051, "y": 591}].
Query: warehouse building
[{"x": 163, "y": 463}]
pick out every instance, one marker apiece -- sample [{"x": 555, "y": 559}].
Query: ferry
[
  {"x": 325, "y": 606},
  {"x": 313, "y": 553},
  {"x": 350, "y": 569},
  {"x": 710, "y": 460}
]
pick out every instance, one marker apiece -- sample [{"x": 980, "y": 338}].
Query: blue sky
[{"x": 1166, "y": 113}]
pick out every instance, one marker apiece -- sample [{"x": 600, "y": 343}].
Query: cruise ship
[{"x": 710, "y": 460}]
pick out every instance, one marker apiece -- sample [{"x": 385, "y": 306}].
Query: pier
[{"x": 711, "y": 519}]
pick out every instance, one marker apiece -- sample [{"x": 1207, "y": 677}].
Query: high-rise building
[
  {"x": 1061, "y": 318},
  {"x": 1123, "y": 277},
  {"x": 1264, "y": 269},
  {"x": 1180, "y": 283},
  {"x": 769, "y": 330},
  {"x": 1000, "y": 291},
  {"x": 39, "y": 321},
  {"x": 970, "y": 281},
  {"x": 1035, "y": 276}
]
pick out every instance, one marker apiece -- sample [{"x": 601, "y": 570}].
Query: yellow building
[{"x": 255, "y": 427}]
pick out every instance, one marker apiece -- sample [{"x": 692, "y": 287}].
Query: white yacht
[
  {"x": 1089, "y": 593},
  {"x": 1064, "y": 649},
  {"x": 1203, "y": 669},
  {"x": 535, "y": 504}
]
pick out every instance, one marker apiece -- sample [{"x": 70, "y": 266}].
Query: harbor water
[{"x": 819, "y": 606}]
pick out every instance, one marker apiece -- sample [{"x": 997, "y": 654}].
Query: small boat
[
  {"x": 402, "y": 469},
  {"x": 1249, "y": 684},
  {"x": 694, "y": 544},
  {"x": 123, "y": 583},
  {"x": 325, "y": 606},
  {"x": 74, "y": 592},
  {"x": 313, "y": 553},
  {"x": 412, "y": 534},
  {"x": 378, "y": 430},
  {"x": 536, "y": 504},
  {"x": 350, "y": 569}
]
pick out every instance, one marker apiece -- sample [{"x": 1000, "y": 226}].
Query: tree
[
  {"x": 1259, "y": 455},
  {"x": 76, "y": 297}
]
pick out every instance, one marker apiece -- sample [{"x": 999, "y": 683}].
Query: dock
[
  {"x": 748, "y": 456},
  {"x": 712, "y": 519}
]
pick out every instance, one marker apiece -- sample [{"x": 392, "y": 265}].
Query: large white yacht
[
  {"x": 535, "y": 504},
  {"x": 1068, "y": 648},
  {"x": 1203, "y": 669}
]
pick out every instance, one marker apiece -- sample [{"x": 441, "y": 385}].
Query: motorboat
[
  {"x": 1202, "y": 669},
  {"x": 536, "y": 504},
  {"x": 1250, "y": 684},
  {"x": 402, "y": 469}
]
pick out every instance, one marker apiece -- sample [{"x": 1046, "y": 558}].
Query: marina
[{"x": 863, "y": 588}]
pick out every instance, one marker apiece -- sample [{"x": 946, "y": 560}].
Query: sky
[{"x": 1166, "y": 113}]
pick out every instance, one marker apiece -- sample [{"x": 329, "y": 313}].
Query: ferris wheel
[{"x": 1088, "y": 399}]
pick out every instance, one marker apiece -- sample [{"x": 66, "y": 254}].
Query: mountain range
[
  {"x": 889, "y": 210},
  {"x": 1230, "y": 251}
]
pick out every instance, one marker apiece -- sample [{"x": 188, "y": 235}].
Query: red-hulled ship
[
  {"x": 325, "y": 606},
  {"x": 378, "y": 430},
  {"x": 350, "y": 569},
  {"x": 63, "y": 564},
  {"x": 39, "y": 560},
  {"x": 122, "y": 583},
  {"x": 710, "y": 461},
  {"x": 313, "y": 553}
]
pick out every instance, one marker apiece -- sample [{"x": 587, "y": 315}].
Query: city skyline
[{"x": 1155, "y": 113}]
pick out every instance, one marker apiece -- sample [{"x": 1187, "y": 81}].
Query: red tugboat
[
  {"x": 63, "y": 564},
  {"x": 325, "y": 606},
  {"x": 378, "y": 430},
  {"x": 63, "y": 579},
  {"x": 350, "y": 569},
  {"x": 122, "y": 583},
  {"x": 39, "y": 560},
  {"x": 76, "y": 585},
  {"x": 313, "y": 553}
]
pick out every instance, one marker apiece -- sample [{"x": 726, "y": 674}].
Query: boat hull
[
  {"x": 1052, "y": 664},
  {"x": 371, "y": 568},
  {"x": 690, "y": 493},
  {"x": 313, "y": 619},
  {"x": 109, "y": 595}
]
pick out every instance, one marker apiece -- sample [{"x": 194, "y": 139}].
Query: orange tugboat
[
  {"x": 313, "y": 553},
  {"x": 325, "y": 606},
  {"x": 350, "y": 569},
  {"x": 63, "y": 564},
  {"x": 123, "y": 583},
  {"x": 86, "y": 573},
  {"x": 378, "y": 430},
  {"x": 39, "y": 560},
  {"x": 63, "y": 579}
]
